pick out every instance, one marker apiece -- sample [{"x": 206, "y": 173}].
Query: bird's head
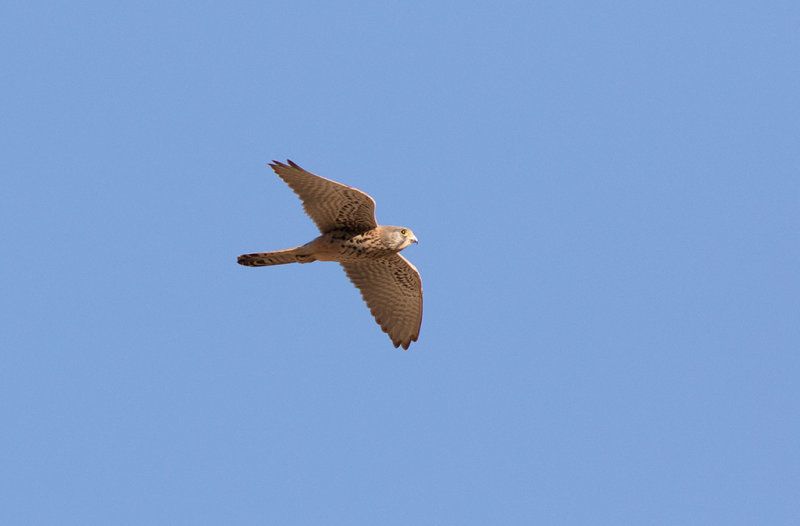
[{"x": 398, "y": 237}]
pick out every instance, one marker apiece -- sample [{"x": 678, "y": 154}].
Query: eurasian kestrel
[{"x": 368, "y": 252}]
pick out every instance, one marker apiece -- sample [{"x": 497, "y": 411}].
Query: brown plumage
[{"x": 368, "y": 252}]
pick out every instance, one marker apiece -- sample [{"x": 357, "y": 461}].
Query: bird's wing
[
  {"x": 392, "y": 288},
  {"x": 329, "y": 204}
]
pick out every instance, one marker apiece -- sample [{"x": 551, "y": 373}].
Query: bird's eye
[{"x": 403, "y": 231}]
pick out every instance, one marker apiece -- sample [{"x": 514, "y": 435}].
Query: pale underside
[{"x": 389, "y": 284}]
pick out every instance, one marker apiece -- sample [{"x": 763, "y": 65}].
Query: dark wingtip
[{"x": 277, "y": 164}]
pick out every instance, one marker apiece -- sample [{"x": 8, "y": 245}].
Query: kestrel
[{"x": 368, "y": 252}]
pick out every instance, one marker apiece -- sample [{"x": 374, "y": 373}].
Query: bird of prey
[{"x": 368, "y": 252}]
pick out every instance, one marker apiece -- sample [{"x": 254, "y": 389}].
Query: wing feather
[
  {"x": 329, "y": 204},
  {"x": 392, "y": 288}
]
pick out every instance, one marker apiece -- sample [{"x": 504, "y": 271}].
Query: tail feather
[{"x": 277, "y": 257}]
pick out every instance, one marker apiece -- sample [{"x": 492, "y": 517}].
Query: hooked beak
[{"x": 414, "y": 239}]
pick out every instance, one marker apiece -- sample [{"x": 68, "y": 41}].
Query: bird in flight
[{"x": 368, "y": 252}]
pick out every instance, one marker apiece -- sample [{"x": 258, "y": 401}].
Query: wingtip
[
  {"x": 277, "y": 164},
  {"x": 402, "y": 344}
]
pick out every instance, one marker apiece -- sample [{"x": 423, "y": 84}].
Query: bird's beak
[{"x": 414, "y": 239}]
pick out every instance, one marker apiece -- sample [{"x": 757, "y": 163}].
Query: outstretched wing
[
  {"x": 329, "y": 204},
  {"x": 392, "y": 288}
]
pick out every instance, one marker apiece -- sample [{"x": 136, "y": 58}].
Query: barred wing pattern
[
  {"x": 329, "y": 204},
  {"x": 392, "y": 289}
]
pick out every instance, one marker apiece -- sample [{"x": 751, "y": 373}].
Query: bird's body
[
  {"x": 368, "y": 252},
  {"x": 337, "y": 245}
]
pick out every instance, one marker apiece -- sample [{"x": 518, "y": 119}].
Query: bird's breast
[{"x": 348, "y": 246}]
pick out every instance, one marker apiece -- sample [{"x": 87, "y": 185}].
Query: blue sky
[{"x": 606, "y": 197}]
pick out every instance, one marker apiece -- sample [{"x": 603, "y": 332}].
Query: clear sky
[{"x": 606, "y": 196}]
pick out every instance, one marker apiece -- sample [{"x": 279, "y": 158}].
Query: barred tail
[{"x": 278, "y": 257}]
